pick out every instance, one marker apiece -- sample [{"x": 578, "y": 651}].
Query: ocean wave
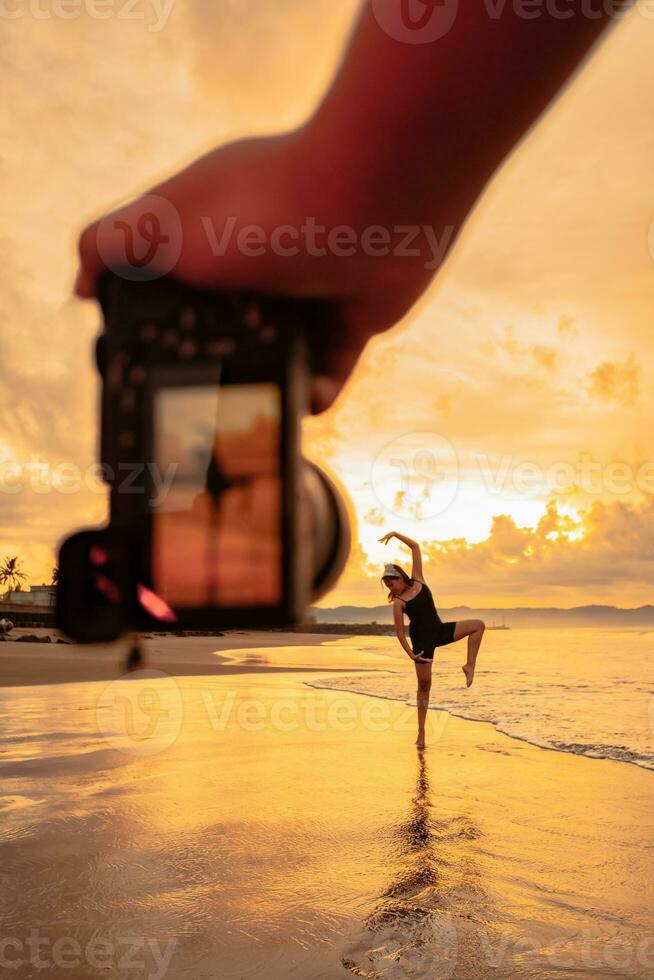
[{"x": 526, "y": 725}]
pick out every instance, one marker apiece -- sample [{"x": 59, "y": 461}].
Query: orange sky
[{"x": 504, "y": 423}]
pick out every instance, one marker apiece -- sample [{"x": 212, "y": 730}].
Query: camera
[{"x": 215, "y": 518}]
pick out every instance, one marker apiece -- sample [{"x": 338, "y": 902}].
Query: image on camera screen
[{"x": 217, "y": 506}]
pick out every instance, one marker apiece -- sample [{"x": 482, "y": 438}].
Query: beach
[{"x": 231, "y": 812}]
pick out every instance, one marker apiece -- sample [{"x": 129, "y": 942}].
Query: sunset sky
[{"x": 518, "y": 392}]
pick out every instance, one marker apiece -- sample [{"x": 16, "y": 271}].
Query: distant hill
[{"x": 520, "y": 616}]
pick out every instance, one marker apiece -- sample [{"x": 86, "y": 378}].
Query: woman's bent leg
[{"x": 474, "y": 630}]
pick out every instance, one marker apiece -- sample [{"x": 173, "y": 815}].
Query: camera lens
[{"x": 329, "y": 528}]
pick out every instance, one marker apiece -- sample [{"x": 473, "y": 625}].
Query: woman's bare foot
[{"x": 469, "y": 671}]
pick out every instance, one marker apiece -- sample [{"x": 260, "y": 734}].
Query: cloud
[
  {"x": 375, "y": 517},
  {"x": 606, "y": 550},
  {"x": 510, "y": 345},
  {"x": 443, "y": 404},
  {"x": 360, "y": 582},
  {"x": 566, "y": 326},
  {"x": 545, "y": 357},
  {"x": 616, "y": 382},
  {"x": 602, "y": 553}
]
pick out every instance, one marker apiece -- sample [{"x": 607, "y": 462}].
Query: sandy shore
[
  {"x": 24, "y": 664},
  {"x": 236, "y": 823}
]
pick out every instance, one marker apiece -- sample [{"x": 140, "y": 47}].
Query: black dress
[{"x": 427, "y": 630}]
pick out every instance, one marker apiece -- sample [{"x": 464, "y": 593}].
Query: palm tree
[{"x": 11, "y": 574}]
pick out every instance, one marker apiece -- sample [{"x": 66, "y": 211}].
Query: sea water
[{"x": 585, "y": 691}]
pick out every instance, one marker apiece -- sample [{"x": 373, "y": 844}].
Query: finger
[
  {"x": 324, "y": 391},
  {"x": 337, "y": 353},
  {"x": 89, "y": 263}
]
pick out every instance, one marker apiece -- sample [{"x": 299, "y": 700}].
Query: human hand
[
  {"x": 198, "y": 227},
  {"x": 386, "y": 537},
  {"x": 368, "y": 167},
  {"x": 419, "y": 659}
]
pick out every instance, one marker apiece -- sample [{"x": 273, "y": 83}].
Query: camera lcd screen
[{"x": 217, "y": 495}]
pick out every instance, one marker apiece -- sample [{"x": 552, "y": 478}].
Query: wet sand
[
  {"x": 24, "y": 663},
  {"x": 241, "y": 824}
]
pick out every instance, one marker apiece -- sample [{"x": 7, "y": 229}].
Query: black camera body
[{"x": 215, "y": 518}]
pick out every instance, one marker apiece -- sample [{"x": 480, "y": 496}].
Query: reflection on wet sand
[{"x": 433, "y": 901}]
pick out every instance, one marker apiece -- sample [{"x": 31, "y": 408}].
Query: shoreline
[
  {"x": 495, "y": 725},
  {"x": 26, "y": 664}
]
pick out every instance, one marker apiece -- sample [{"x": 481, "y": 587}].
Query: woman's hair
[{"x": 407, "y": 580}]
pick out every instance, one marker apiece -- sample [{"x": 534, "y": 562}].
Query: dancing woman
[{"x": 412, "y": 595}]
